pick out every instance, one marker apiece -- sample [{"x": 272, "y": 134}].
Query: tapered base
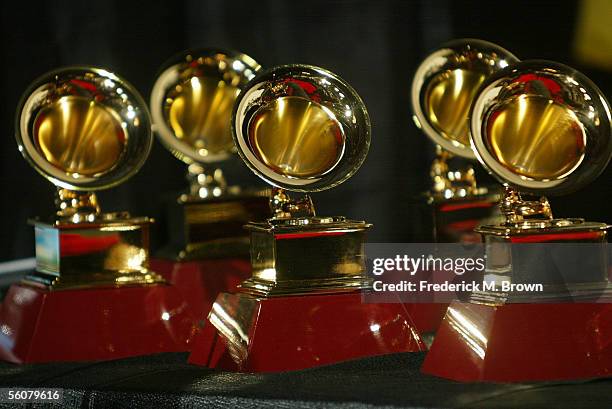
[
  {"x": 453, "y": 220},
  {"x": 522, "y": 342},
  {"x": 249, "y": 334},
  {"x": 38, "y": 325},
  {"x": 427, "y": 317},
  {"x": 200, "y": 281}
]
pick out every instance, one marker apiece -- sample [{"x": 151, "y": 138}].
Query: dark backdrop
[{"x": 374, "y": 45}]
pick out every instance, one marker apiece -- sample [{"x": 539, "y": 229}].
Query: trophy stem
[
  {"x": 76, "y": 206},
  {"x": 204, "y": 184},
  {"x": 283, "y": 207},
  {"x": 452, "y": 183},
  {"x": 518, "y": 211}
]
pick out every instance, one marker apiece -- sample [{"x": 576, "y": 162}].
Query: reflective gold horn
[
  {"x": 84, "y": 129},
  {"x": 301, "y": 128},
  {"x": 191, "y": 106},
  {"x": 444, "y": 87},
  {"x": 540, "y": 127}
]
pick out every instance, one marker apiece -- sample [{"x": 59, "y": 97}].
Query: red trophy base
[
  {"x": 201, "y": 281},
  {"x": 38, "y": 325},
  {"x": 426, "y": 317},
  {"x": 522, "y": 342},
  {"x": 250, "y": 334}
]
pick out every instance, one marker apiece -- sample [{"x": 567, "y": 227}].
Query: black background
[{"x": 374, "y": 45}]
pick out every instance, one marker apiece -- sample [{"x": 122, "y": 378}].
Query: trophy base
[
  {"x": 453, "y": 220},
  {"x": 199, "y": 282},
  {"x": 250, "y": 334},
  {"x": 209, "y": 228},
  {"x": 42, "y": 325},
  {"x": 522, "y": 342},
  {"x": 427, "y": 318}
]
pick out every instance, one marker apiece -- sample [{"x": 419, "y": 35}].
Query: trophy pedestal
[
  {"x": 454, "y": 220},
  {"x": 522, "y": 342},
  {"x": 426, "y": 317},
  {"x": 251, "y": 334},
  {"x": 557, "y": 333},
  {"x": 41, "y": 325},
  {"x": 450, "y": 221},
  {"x": 303, "y": 306},
  {"x": 207, "y": 228},
  {"x": 209, "y": 247},
  {"x": 200, "y": 281}
]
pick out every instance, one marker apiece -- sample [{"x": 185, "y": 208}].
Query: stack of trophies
[{"x": 537, "y": 126}]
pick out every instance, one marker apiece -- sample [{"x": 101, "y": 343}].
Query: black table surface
[{"x": 167, "y": 381}]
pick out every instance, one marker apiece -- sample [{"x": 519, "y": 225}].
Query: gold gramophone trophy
[
  {"x": 540, "y": 128},
  {"x": 191, "y": 105},
  {"x": 301, "y": 128},
  {"x": 443, "y": 88},
  {"x": 92, "y": 296}
]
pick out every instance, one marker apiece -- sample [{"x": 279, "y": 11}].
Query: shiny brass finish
[
  {"x": 444, "y": 87},
  {"x": 203, "y": 106},
  {"x": 520, "y": 212},
  {"x": 301, "y": 128},
  {"x": 334, "y": 246},
  {"x": 542, "y": 127},
  {"x": 536, "y": 137},
  {"x": 192, "y": 102},
  {"x": 296, "y": 137},
  {"x": 447, "y": 102},
  {"x": 213, "y": 227},
  {"x": 85, "y": 129},
  {"x": 85, "y": 255},
  {"x": 283, "y": 207},
  {"x": 78, "y": 135},
  {"x": 76, "y": 206},
  {"x": 448, "y": 184}
]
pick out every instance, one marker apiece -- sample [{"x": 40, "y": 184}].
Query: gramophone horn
[
  {"x": 542, "y": 127},
  {"x": 192, "y": 102},
  {"x": 444, "y": 87},
  {"x": 301, "y": 128},
  {"x": 83, "y": 128}
]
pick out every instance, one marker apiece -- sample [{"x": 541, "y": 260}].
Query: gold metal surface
[
  {"x": 296, "y": 137},
  {"x": 76, "y": 206},
  {"x": 537, "y": 137},
  {"x": 449, "y": 184},
  {"x": 448, "y": 99},
  {"x": 200, "y": 114},
  {"x": 307, "y": 255},
  {"x": 283, "y": 207},
  {"x": 444, "y": 87},
  {"x": 86, "y": 129},
  {"x": 301, "y": 128},
  {"x": 83, "y": 128},
  {"x": 79, "y": 135},
  {"x": 110, "y": 254},
  {"x": 525, "y": 213},
  {"x": 192, "y": 101},
  {"x": 292, "y": 126}
]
